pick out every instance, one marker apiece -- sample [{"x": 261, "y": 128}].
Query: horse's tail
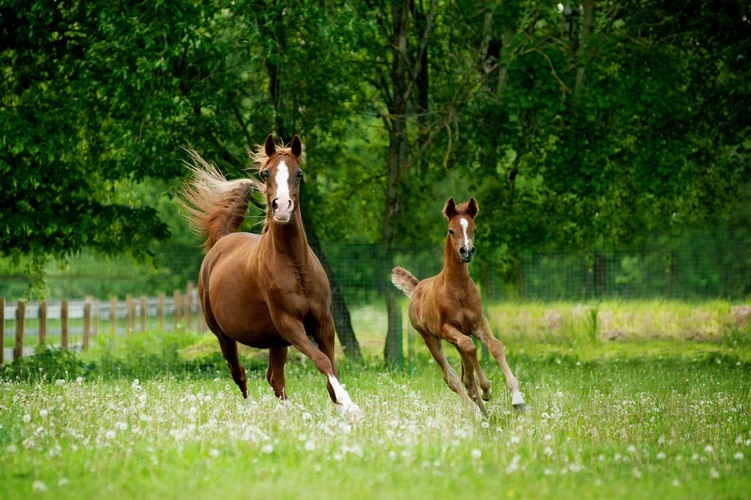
[
  {"x": 404, "y": 280},
  {"x": 214, "y": 206}
]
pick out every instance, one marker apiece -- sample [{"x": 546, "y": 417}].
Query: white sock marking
[{"x": 341, "y": 395}]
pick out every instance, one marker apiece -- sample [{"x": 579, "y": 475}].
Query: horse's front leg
[
  {"x": 293, "y": 331},
  {"x": 485, "y": 335}
]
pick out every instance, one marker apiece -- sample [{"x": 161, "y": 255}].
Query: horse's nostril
[
  {"x": 273, "y": 204},
  {"x": 289, "y": 205},
  {"x": 472, "y": 250},
  {"x": 463, "y": 251}
]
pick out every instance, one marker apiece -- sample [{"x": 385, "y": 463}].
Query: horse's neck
[
  {"x": 290, "y": 238},
  {"x": 453, "y": 268}
]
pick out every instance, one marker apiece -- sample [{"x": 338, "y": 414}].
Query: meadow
[{"x": 157, "y": 415}]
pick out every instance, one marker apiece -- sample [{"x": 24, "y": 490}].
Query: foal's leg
[
  {"x": 467, "y": 349},
  {"x": 485, "y": 335},
  {"x": 449, "y": 375},
  {"x": 275, "y": 374},
  {"x": 293, "y": 331}
]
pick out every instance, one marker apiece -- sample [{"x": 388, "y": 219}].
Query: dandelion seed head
[
  {"x": 476, "y": 454},
  {"x": 738, "y": 456},
  {"x": 268, "y": 448},
  {"x": 39, "y": 486}
]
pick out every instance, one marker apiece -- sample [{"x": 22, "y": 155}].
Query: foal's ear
[
  {"x": 269, "y": 147},
  {"x": 450, "y": 209},
  {"x": 472, "y": 208},
  {"x": 296, "y": 146}
]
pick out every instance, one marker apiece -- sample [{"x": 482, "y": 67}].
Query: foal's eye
[
  {"x": 265, "y": 174},
  {"x": 299, "y": 174},
  {"x": 451, "y": 231}
]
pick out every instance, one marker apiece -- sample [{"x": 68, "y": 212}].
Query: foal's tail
[
  {"x": 214, "y": 206},
  {"x": 404, "y": 280}
]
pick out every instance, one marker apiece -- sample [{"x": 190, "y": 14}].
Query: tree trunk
[
  {"x": 588, "y": 17},
  {"x": 398, "y": 159},
  {"x": 342, "y": 319}
]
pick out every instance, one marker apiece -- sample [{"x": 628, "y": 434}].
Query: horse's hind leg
[
  {"x": 485, "y": 335},
  {"x": 275, "y": 374},
  {"x": 229, "y": 350}
]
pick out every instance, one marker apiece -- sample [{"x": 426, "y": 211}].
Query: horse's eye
[
  {"x": 451, "y": 231},
  {"x": 266, "y": 173},
  {"x": 299, "y": 174}
]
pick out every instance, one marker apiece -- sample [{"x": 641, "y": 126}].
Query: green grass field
[{"x": 135, "y": 418}]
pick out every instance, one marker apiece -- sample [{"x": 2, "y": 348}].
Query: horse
[
  {"x": 448, "y": 307},
  {"x": 266, "y": 290}
]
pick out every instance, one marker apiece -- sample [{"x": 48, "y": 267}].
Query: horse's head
[
  {"x": 462, "y": 227},
  {"x": 282, "y": 175}
]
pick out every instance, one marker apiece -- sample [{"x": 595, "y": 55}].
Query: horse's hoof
[
  {"x": 520, "y": 408},
  {"x": 486, "y": 395},
  {"x": 351, "y": 412}
]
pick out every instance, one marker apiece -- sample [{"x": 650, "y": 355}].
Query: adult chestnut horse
[
  {"x": 449, "y": 307},
  {"x": 267, "y": 291}
]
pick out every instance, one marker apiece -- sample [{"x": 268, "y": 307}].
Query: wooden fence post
[
  {"x": 176, "y": 309},
  {"x": 20, "y": 316},
  {"x": 86, "y": 324},
  {"x": 200, "y": 320},
  {"x": 129, "y": 314},
  {"x": 64, "y": 324},
  {"x": 160, "y": 310},
  {"x": 2, "y": 330},
  {"x": 113, "y": 315},
  {"x": 43, "y": 322},
  {"x": 189, "y": 306},
  {"x": 144, "y": 312},
  {"x": 95, "y": 313}
]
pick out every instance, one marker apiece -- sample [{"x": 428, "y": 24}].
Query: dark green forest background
[{"x": 607, "y": 142}]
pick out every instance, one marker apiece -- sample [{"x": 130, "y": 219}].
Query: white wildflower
[
  {"x": 548, "y": 451},
  {"x": 121, "y": 426},
  {"x": 476, "y": 453},
  {"x": 676, "y": 482},
  {"x": 63, "y": 481},
  {"x": 213, "y": 453},
  {"x": 713, "y": 473},
  {"x": 39, "y": 486},
  {"x": 632, "y": 449},
  {"x": 59, "y": 382},
  {"x": 43, "y": 413},
  {"x": 708, "y": 449},
  {"x": 268, "y": 448},
  {"x": 109, "y": 434},
  {"x": 737, "y": 456},
  {"x": 12, "y": 449},
  {"x": 661, "y": 456},
  {"x": 637, "y": 473},
  {"x": 310, "y": 445}
]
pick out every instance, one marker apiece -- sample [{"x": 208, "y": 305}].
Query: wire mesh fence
[{"x": 696, "y": 268}]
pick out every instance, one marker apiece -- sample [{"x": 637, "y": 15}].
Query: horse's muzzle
[{"x": 282, "y": 209}]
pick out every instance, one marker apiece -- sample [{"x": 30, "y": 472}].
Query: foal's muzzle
[{"x": 466, "y": 255}]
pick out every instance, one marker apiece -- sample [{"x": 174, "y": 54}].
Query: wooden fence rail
[{"x": 88, "y": 317}]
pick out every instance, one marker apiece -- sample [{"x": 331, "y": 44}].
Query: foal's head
[
  {"x": 282, "y": 175},
  {"x": 462, "y": 227}
]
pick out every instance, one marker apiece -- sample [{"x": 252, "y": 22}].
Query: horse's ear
[
  {"x": 472, "y": 208},
  {"x": 296, "y": 146},
  {"x": 269, "y": 148},
  {"x": 450, "y": 209}
]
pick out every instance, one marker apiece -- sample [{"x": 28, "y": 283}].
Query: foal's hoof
[
  {"x": 517, "y": 401},
  {"x": 486, "y": 395},
  {"x": 520, "y": 408}
]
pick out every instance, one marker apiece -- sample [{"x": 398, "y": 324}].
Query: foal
[
  {"x": 267, "y": 291},
  {"x": 449, "y": 307}
]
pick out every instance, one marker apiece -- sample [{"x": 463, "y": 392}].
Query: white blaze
[
  {"x": 463, "y": 222},
  {"x": 284, "y": 204},
  {"x": 282, "y": 181}
]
